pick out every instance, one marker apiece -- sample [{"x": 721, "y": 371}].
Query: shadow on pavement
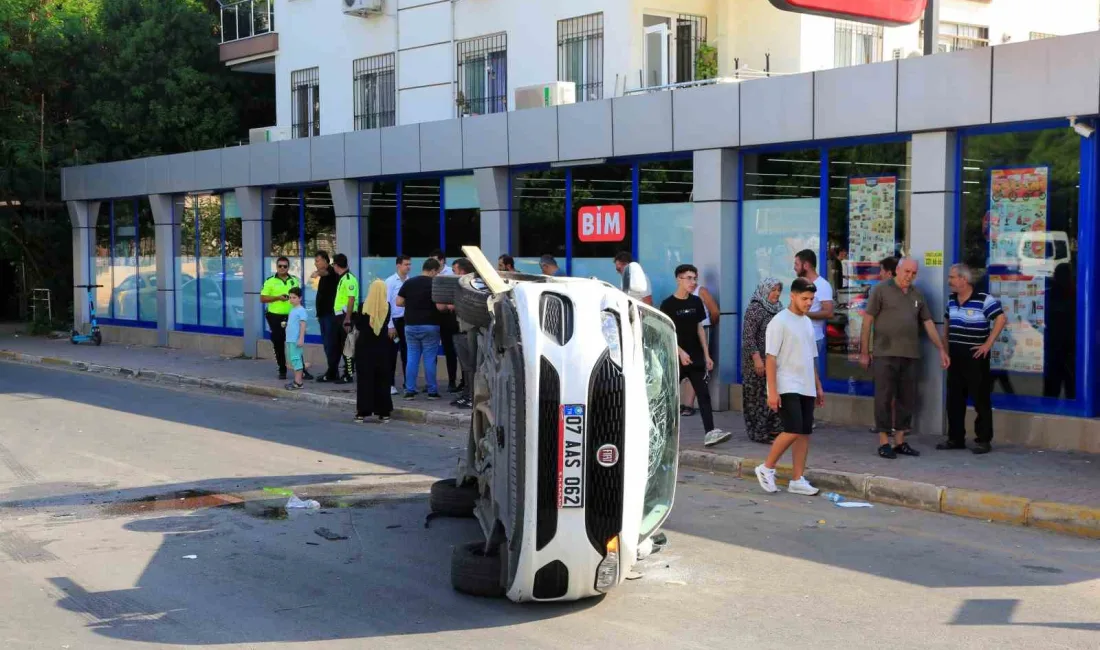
[{"x": 979, "y": 612}]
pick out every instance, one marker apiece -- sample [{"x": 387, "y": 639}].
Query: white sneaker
[
  {"x": 393, "y": 390},
  {"x": 766, "y": 477},
  {"x": 802, "y": 486},
  {"x": 715, "y": 436}
]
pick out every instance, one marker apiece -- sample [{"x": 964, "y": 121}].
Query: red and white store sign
[
  {"x": 601, "y": 223},
  {"x": 884, "y": 12}
]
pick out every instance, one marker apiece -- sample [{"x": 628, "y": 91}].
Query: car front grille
[
  {"x": 546, "y": 521},
  {"x": 556, "y": 314},
  {"x": 604, "y": 485}
]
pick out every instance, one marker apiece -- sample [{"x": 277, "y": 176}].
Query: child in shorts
[
  {"x": 794, "y": 387},
  {"x": 296, "y": 337}
]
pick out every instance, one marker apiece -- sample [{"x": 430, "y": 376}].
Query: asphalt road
[{"x": 105, "y": 496}]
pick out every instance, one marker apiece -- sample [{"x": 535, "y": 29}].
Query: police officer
[
  {"x": 347, "y": 302},
  {"x": 275, "y": 294}
]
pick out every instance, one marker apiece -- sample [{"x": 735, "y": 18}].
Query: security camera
[{"x": 1082, "y": 129}]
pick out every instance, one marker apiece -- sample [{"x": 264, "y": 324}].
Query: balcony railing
[
  {"x": 246, "y": 18},
  {"x": 742, "y": 74}
]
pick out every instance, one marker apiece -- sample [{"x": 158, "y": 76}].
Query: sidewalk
[{"x": 1012, "y": 484}]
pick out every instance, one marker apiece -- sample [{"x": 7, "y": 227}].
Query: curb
[
  {"x": 404, "y": 413},
  {"x": 1069, "y": 519}
]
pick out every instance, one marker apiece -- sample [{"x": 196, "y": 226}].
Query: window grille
[
  {"x": 580, "y": 54},
  {"x": 857, "y": 43},
  {"x": 375, "y": 92},
  {"x": 305, "y": 103},
  {"x": 482, "y": 75},
  {"x": 1034, "y": 36},
  {"x": 959, "y": 36},
  {"x": 691, "y": 32}
]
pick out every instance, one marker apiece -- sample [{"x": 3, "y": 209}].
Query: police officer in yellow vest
[
  {"x": 275, "y": 294},
  {"x": 345, "y": 307}
]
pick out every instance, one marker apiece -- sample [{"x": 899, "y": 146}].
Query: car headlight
[
  {"x": 609, "y": 326},
  {"x": 607, "y": 573}
]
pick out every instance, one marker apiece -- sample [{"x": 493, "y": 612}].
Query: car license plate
[{"x": 571, "y": 460}]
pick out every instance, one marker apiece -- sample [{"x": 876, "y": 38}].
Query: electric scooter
[{"x": 93, "y": 336}]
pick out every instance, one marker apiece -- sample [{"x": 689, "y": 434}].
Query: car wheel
[
  {"x": 452, "y": 500},
  {"x": 444, "y": 288},
  {"x": 475, "y": 573},
  {"x": 98, "y": 338},
  {"x": 472, "y": 301}
]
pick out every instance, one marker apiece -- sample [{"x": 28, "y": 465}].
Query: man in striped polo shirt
[{"x": 974, "y": 321}]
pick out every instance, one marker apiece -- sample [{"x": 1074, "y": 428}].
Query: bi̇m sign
[{"x": 601, "y": 223}]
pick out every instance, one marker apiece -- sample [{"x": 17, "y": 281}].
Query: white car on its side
[{"x": 571, "y": 462}]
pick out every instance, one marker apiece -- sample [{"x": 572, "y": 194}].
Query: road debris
[
  {"x": 298, "y": 504},
  {"x": 329, "y": 535},
  {"x": 190, "y": 557}
]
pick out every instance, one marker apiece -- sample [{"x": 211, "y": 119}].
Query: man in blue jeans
[{"x": 421, "y": 328}]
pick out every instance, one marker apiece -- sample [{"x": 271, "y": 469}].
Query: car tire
[
  {"x": 444, "y": 289},
  {"x": 472, "y": 302},
  {"x": 452, "y": 500},
  {"x": 98, "y": 338},
  {"x": 475, "y": 573}
]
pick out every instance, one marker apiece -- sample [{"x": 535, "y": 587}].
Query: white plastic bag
[{"x": 297, "y": 504}]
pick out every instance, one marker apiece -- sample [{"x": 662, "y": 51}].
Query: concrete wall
[{"x": 1044, "y": 79}]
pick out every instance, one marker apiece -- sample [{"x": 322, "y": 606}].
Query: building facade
[
  {"x": 969, "y": 156},
  {"x": 346, "y": 65}
]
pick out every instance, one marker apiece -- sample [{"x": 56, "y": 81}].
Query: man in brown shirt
[{"x": 898, "y": 311}]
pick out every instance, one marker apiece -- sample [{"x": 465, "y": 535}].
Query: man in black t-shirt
[
  {"x": 421, "y": 328},
  {"x": 323, "y": 306},
  {"x": 688, "y": 313}
]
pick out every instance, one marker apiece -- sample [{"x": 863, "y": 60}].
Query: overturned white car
[{"x": 571, "y": 462}]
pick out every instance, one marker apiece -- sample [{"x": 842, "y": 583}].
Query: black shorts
[{"x": 797, "y": 413}]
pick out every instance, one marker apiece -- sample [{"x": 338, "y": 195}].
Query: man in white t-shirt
[
  {"x": 805, "y": 266},
  {"x": 794, "y": 387},
  {"x": 635, "y": 283}
]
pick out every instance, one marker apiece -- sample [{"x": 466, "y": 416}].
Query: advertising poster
[
  {"x": 1022, "y": 255},
  {"x": 872, "y": 222}
]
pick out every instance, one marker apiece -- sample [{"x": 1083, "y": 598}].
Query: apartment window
[
  {"x": 580, "y": 54},
  {"x": 1034, "y": 36},
  {"x": 375, "y": 92},
  {"x": 857, "y": 43},
  {"x": 959, "y": 36},
  {"x": 305, "y": 103},
  {"x": 691, "y": 33},
  {"x": 482, "y": 75}
]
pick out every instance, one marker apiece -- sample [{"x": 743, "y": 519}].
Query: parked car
[
  {"x": 201, "y": 301},
  {"x": 570, "y": 465}
]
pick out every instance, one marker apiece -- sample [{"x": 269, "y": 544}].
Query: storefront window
[
  {"x": 462, "y": 214},
  {"x": 209, "y": 270},
  {"x": 377, "y": 230},
  {"x": 538, "y": 206},
  {"x": 603, "y": 208},
  {"x": 868, "y": 220},
  {"x": 780, "y": 215},
  {"x": 1019, "y": 233},
  {"x": 125, "y": 263},
  {"x": 319, "y": 226},
  {"x": 420, "y": 219},
  {"x": 664, "y": 222}
]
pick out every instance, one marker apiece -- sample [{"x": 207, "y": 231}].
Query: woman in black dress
[
  {"x": 374, "y": 349},
  {"x": 761, "y": 423}
]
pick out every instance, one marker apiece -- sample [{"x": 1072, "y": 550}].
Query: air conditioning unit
[
  {"x": 552, "y": 94},
  {"x": 364, "y": 7},
  {"x": 268, "y": 134}
]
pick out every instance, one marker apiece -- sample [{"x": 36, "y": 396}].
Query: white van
[{"x": 571, "y": 461}]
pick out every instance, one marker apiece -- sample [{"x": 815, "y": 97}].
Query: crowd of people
[{"x": 783, "y": 347}]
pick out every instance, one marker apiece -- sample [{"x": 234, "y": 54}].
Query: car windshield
[{"x": 662, "y": 391}]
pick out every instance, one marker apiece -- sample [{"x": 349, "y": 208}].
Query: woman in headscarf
[
  {"x": 374, "y": 349},
  {"x": 761, "y": 423}
]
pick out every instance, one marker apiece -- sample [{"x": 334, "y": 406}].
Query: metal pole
[{"x": 931, "y": 26}]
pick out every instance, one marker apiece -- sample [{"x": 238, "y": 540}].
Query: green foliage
[
  {"x": 706, "y": 61},
  {"x": 97, "y": 80}
]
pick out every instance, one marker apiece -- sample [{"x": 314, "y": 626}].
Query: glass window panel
[
  {"x": 420, "y": 217},
  {"x": 101, "y": 272},
  {"x": 603, "y": 187},
  {"x": 462, "y": 213},
  {"x": 208, "y": 289},
  {"x": 124, "y": 262},
  {"x": 868, "y": 221},
  {"x": 665, "y": 222},
  {"x": 538, "y": 204},
  {"x": 781, "y": 215},
  {"x": 283, "y": 231},
  {"x": 1021, "y": 239},
  {"x": 187, "y": 269},
  {"x": 147, "y": 263},
  {"x": 377, "y": 230},
  {"x": 234, "y": 263}
]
